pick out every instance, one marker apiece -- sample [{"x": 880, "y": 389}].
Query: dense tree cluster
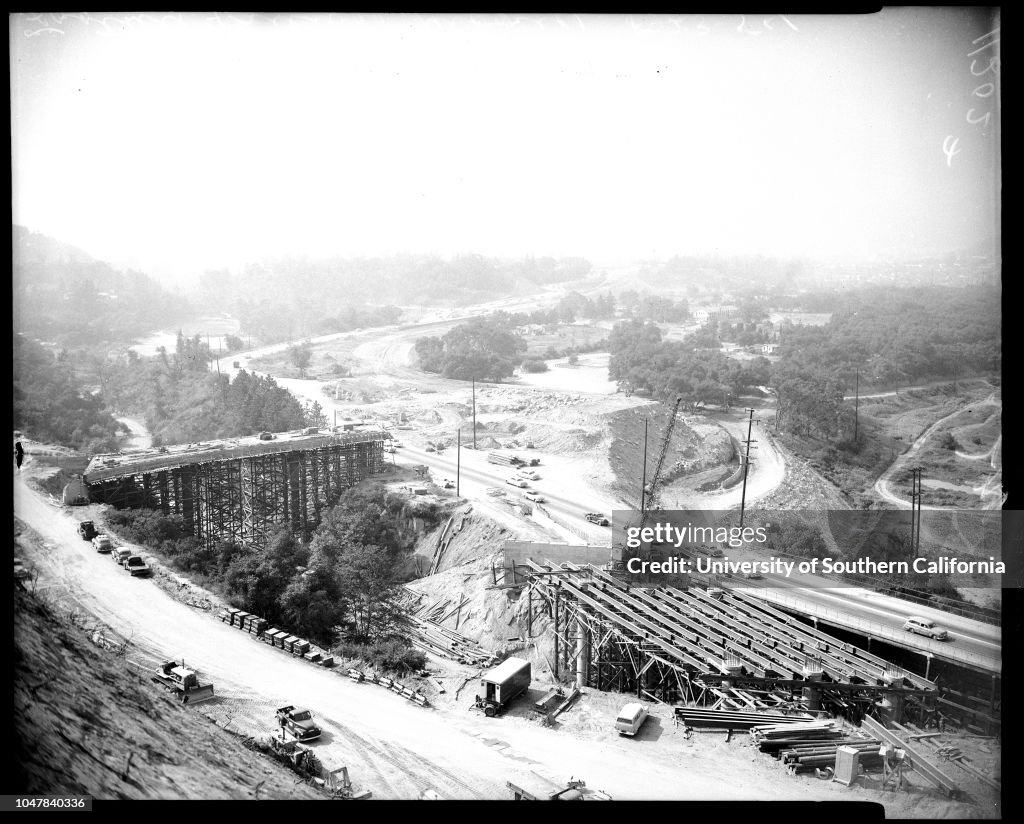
[
  {"x": 891, "y": 337},
  {"x": 49, "y": 404},
  {"x": 483, "y": 348},
  {"x": 340, "y": 585},
  {"x": 641, "y": 361},
  {"x": 182, "y": 401}
]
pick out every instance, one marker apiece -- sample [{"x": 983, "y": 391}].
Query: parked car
[
  {"x": 102, "y": 543},
  {"x": 517, "y": 482},
  {"x": 535, "y": 496},
  {"x": 137, "y": 567},
  {"x": 630, "y": 719},
  {"x": 596, "y": 518},
  {"x": 926, "y": 627},
  {"x": 530, "y": 474},
  {"x": 120, "y": 555},
  {"x": 87, "y": 529}
]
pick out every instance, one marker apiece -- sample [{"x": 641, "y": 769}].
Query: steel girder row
[
  {"x": 660, "y": 641},
  {"x": 241, "y": 499}
]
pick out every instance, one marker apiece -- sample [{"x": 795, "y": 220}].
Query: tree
[{"x": 300, "y": 355}]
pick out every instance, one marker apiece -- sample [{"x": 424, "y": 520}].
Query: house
[{"x": 768, "y": 348}]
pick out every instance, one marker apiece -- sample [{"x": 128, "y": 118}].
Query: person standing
[{"x": 19, "y": 454}]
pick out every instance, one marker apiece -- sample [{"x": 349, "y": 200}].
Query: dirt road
[
  {"x": 392, "y": 747},
  {"x": 990, "y": 496}
]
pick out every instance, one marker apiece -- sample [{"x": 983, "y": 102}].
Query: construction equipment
[
  {"x": 574, "y": 790},
  {"x": 303, "y": 760},
  {"x": 650, "y": 496},
  {"x": 501, "y": 685},
  {"x": 182, "y": 682}
]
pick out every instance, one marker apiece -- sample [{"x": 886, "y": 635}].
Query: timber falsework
[{"x": 239, "y": 490}]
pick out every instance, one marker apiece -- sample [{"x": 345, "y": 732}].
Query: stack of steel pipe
[
  {"x": 810, "y": 757},
  {"x": 734, "y": 719}
]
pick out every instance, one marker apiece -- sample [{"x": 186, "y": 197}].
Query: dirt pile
[
  {"x": 696, "y": 447},
  {"x": 86, "y": 723},
  {"x": 468, "y": 537}
]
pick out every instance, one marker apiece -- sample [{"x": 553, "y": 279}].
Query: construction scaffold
[
  {"x": 238, "y": 491},
  {"x": 721, "y": 648}
]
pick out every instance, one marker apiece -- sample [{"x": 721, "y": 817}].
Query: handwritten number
[
  {"x": 991, "y": 89},
  {"x": 993, "y": 65},
  {"x": 984, "y": 119}
]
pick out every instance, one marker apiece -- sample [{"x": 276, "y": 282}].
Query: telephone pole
[
  {"x": 458, "y": 460},
  {"x": 856, "y": 406},
  {"x": 746, "y": 463},
  {"x": 643, "y": 480},
  {"x": 474, "y": 413},
  {"x": 915, "y": 511}
]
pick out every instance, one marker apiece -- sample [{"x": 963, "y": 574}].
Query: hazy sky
[{"x": 185, "y": 142}]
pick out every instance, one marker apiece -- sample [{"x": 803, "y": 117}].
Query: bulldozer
[{"x": 182, "y": 682}]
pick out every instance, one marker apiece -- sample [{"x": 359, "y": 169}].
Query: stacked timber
[
  {"x": 810, "y": 746},
  {"x": 260, "y": 629},
  {"x": 430, "y": 636}
]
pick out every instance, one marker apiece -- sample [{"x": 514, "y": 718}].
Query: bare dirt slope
[{"x": 86, "y": 724}]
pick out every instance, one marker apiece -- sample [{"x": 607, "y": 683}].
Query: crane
[{"x": 651, "y": 490}]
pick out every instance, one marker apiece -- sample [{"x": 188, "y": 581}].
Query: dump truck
[
  {"x": 298, "y": 722},
  {"x": 87, "y": 529},
  {"x": 502, "y": 684},
  {"x": 182, "y": 682}
]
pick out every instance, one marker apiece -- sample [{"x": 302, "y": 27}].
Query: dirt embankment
[
  {"x": 86, "y": 723},
  {"x": 700, "y": 451}
]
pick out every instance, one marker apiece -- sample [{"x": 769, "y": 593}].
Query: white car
[
  {"x": 517, "y": 482},
  {"x": 529, "y": 473},
  {"x": 926, "y": 627},
  {"x": 535, "y": 496}
]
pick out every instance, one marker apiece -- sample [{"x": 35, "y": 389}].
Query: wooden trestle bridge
[{"x": 238, "y": 490}]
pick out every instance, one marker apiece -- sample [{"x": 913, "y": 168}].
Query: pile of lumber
[
  {"x": 810, "y": 746},
  {"x": 430, "y": 636}
]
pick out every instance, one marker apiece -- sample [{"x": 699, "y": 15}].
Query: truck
[
  {"x": 502, "y": 684},
  {"x": 574, "y": 790},
  {"x": 298, "y": 722},
  {"x": 182, "y": 682},
  {"x": 137, "y": 567},
  {"x": 87, "y": 529},
  {"x": 511, "y": 460}
]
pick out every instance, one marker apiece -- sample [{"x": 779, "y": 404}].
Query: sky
[{"x": 180, "y": 143}]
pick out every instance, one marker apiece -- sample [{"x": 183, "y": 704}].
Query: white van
[
  {"x": 926, "y": 627},
  {"x": 630, "y": 719}
]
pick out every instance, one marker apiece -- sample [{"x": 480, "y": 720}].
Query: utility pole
[
  {"x": 458, "y": 460},
  {"x": 643, "y": 480},
  {"x": 746, "y": 463},
  {"x": 915, "y": 511},
  {"x": 856, "y": 407},
  {"x": 474, "y": 413}
]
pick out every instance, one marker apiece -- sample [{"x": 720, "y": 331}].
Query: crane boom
[{"x": 656, "y": 477}]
